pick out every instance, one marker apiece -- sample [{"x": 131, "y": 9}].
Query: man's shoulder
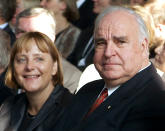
[{"x": 93, "y": 86}]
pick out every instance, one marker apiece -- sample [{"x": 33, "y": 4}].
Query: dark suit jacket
[
  {"x": 87, "y": 16},
  {"x": 10, "y": 32},
  {"x": 137, "y": 105},
  {"x": 5, "y": 92},
  {"x": 77, "y": 53},
  {"x": 13, "y": 110}
]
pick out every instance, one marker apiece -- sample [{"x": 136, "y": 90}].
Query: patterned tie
[{"x": 98, "y": 101}]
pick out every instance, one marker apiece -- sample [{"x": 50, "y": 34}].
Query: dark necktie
[{"x": 98, "y": 101}]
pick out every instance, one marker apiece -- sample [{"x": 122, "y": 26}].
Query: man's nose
[{"x": 110, "y": 49}]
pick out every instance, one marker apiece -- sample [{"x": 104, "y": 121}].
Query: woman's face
[
  {"x": 53, "y": 5},
  {"x": 160, "y": 57},
  {"x": 99, "y": 5},
  {"x": 33, "y": 69}
]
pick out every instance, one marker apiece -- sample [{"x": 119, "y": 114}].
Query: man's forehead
[
  {"x": 119, "y": 22},
  {"x": 115, "y": 17}
]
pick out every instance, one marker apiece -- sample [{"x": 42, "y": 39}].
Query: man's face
[
  {"x": 99, "y": 5},
  {"x": 36, "y": 23},
  {"x": 118, "y": 53}
]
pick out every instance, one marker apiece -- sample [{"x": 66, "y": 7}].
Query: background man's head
[
  {"x": 20, "y": 6},
  {"x": 36, "y": 19},
  {"x": 121, "y": 45}
]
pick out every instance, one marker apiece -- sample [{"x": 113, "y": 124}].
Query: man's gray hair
[
  {"x": 143, "y": 31},
  {"x": 35, "y": 11}
]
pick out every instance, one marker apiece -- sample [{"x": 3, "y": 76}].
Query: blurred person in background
[
  {"x": 87, "y": 16},
  {"x": 159, "y": 60},
  {"x": 5, "y": 49},
  {"x": 7, "y": 11},
  {"x": 157, "y": 10},
  {"x": 65, "y": 12}
]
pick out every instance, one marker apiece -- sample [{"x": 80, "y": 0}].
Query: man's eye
[
  {"x": 119, "y": 42},
  {"x": 100, "y": 43}
]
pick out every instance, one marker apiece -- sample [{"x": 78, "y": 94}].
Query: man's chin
[{"x": 110, "y": 76}]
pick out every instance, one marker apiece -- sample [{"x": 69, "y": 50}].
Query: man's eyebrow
[
  {"x": 121, "y": 38},
  {"x": 99, "y": 39}
]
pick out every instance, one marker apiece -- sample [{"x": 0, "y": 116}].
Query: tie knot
[{"x": 104, "y": 93}]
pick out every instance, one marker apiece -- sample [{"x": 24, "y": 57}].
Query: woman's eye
[
  {"x": 21, "y": 60},
  {"x": 39, "y": 59}
]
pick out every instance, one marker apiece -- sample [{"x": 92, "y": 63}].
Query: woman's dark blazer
[{"x": 12, "y": 111}]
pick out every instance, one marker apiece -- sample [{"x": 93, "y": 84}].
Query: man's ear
[{"x": 145, "y": 47}]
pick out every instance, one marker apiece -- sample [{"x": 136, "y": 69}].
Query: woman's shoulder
[{"x": 73, "y": 29}]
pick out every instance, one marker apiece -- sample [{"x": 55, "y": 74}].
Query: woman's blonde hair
[{"x": 44, "y": 43}]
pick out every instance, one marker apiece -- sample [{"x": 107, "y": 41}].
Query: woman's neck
[
  {"x": 36, "y": 100},
  {"x": 61, "y": 23}
]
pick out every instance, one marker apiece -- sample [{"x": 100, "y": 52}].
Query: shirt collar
[
  {"x": 111, "y": 90},
  {"x": 79, "y": 3},
  {"x": 3, "y": 25}
]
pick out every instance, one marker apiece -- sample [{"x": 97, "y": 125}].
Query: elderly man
[{"x": 130, "y": 97}]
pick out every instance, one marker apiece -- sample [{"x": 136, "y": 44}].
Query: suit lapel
[{"x": 88, "y": 100}]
